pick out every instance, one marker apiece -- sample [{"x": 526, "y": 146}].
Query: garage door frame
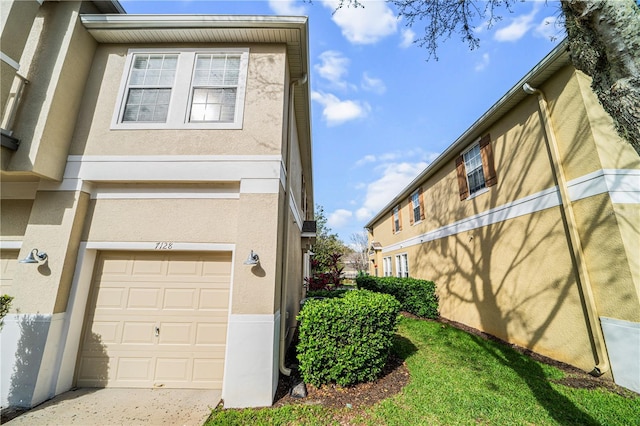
[{"x": 81, "y": 286}]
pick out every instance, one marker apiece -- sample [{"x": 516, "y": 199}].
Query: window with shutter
[
  {"x": 417, "y": 207},
  {"x": 475, "y": 168}
]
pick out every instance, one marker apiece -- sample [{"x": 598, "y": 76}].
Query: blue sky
[{"x": 381, "y": 111}]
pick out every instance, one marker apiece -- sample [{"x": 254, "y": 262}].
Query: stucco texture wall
[
  {"x": 514, "y": 280},
  {"x": 261, "y": 133},
  {"x": 62, "y": 53}
]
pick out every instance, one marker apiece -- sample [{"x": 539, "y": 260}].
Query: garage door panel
[
  {"x": 144, "y": 298},
  {"x": 211, "y": 334},
  {"x": 172, "y": 333},
  {"x": 134, "y": 368},
  {"x": 138, "y": 332},
  {"x": 180, "y": 298},
  {"x": 184, "y": 295},
  {"x": 213, "y": 299}
]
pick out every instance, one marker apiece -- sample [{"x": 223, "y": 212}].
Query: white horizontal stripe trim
[
  {"x": 66, "y": 185},
  {"x": 151, "y": 246},
  {"x": 623, "y": 185},
  {"x": 527, "y": 205},
  {"x": 172, "y": 171},
  {"x": 7, "y": 60},
  {"x": 10, "y": 245},
  {"x": 162, "y": 193},
  {"x": 170, "y": 158},
  {"x": 259, "y": 186}
]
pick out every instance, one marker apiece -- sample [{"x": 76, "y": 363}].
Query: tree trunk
[{"x": 604, "y": 42}]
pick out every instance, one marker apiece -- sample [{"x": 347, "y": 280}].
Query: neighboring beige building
[
  {"x": 149, "y": 156},
  {"x": 529, "y": 223}
]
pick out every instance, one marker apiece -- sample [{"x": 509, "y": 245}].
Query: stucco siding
[
  {"x": 15, "y": 218},
  {"x": 261, "y": 132},
  {"x": 485, "y": 278}
]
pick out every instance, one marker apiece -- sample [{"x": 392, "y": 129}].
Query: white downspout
[
  {"x": 573, "y": 236},
  {"x": 285, "y": 229}
]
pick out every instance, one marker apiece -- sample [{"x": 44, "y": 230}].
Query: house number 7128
[{"x": 164, "y": 245}]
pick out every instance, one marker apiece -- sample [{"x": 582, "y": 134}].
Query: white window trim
[
  {"x": 387, "y": 269},
  {"x": 466, "y": 174},
  {"x": 179, "y": 105},
  {"x": 401, "y": 272}
]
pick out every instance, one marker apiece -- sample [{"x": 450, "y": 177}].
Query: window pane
[
  {"x": 213, "y": 105},
  {"x": 150, "y": 105}
]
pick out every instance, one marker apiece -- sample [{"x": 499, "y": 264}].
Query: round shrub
[{"x": 346, "y": 340}]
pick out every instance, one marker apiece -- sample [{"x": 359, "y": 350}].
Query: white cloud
[
  {"x": 339, "y": 218},
  {"x": 483, "y": 63},
  {"x": 518, "y": 27},
  {"x": 366, "y": 159},
  {"x": 372, "y": 84},
  {"x": 333, "y": 67},
  {"x": 408, "y": 37},
  {"x": 287, "y": 7},
  {"x": 548, "y": 28},
  {"x": 364, "y": 25},
  {"x": 338, "y": 111},
  {"x": 395, "y": 176}
]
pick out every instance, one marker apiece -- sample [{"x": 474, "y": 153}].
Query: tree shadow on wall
[
  {"x": 34, "y": 330},
  {"x": 484, "y": 271}
]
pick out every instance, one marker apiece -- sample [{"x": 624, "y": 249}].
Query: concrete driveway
[{"x": 123, "y": 407}]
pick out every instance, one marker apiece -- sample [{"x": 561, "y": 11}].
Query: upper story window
[
  {"x": 149, "y": 88},
  {"x": 417, "y": 207},
  {"x": 183, "y": 89},
  {"x": 396, "y": 219},
  {"x": 475, "y": 169}
]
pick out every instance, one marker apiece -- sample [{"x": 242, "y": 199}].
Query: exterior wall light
[
  {"x": 35, "y": 257},
  {"x": 253, "y": 259}
]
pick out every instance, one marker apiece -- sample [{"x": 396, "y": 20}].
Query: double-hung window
[
  {"x": 396, "y": 219},
  {"x": 417, "y": 207},
  {"x": 182, "y": 89},
  {"x": 149, "y": 90},
  {"x": 475, "y": 169},
  {"x": 402, "y": 265}
]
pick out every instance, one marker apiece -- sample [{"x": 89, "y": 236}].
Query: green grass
[{"x": 461, "y": 379}]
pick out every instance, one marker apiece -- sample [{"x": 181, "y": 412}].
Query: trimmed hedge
[
  {"x": 328, "y": 293},
  {"x": 346, "y": 340},
  {"x": 416, "y": 296}
]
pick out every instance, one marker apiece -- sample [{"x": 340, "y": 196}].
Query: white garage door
[{"x": 156, "y": 320}]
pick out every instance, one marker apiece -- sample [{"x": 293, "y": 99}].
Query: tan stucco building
[
  {"x": 149, "y": 157},
  {"x": 529, "y": 224}
]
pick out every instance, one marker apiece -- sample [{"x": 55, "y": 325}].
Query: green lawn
[{"x": 461, "y": 379}]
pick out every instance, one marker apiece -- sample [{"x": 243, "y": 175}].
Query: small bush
[
  {"x": 416, "y": 296},
  {"x": 346, "y": 340}
]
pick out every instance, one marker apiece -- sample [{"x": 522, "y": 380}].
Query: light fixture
[
  {"x": 35, "y": 257},
  {"x": 253, "y": 259}
]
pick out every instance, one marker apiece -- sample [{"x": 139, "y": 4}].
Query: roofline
[
  {"x": 554, "y": 60},
  {"x": 109, "y": 6},
  {"x": 173, "y": 21}
]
